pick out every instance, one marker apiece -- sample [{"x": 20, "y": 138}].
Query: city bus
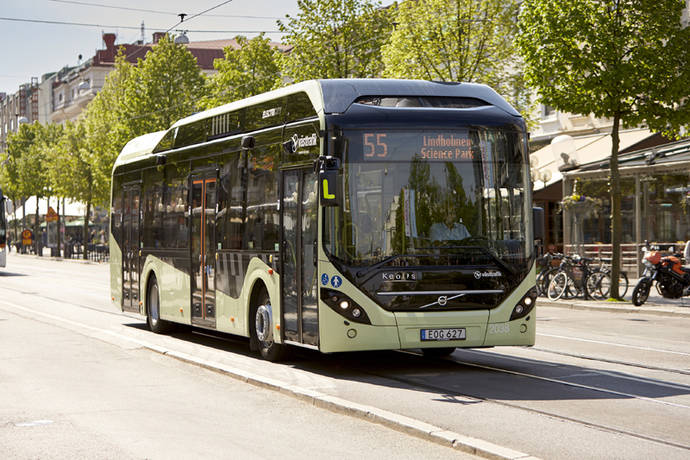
[
  {"x": 336, "y": 215},
  {"x": 3, "y": 232}
]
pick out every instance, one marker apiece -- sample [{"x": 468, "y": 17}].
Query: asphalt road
[{"x": 596, "y": 385}]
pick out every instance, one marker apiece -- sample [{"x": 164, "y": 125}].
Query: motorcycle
[{"x": 672, "y": 279}]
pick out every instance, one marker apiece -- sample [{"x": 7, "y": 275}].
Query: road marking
[
  {"x": 499, "y": 355},
  {"x": 34, "y": 423},
  {"x": 576, "y": 385},
  {"x": 675, "y": 386},
  {"x": 613, "y": 344}
]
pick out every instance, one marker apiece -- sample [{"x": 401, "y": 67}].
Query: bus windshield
[{"x": 432, "y": 193}]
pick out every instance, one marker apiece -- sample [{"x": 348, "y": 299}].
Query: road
[{"x": 596, "y": 385}]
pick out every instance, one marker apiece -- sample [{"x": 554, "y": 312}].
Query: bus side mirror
[
  {"x": 538, "y": 223},
  {"x": 248, "y": 142},
  {"x": 329, "y": 189}
]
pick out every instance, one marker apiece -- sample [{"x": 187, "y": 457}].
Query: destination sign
[{"x": 429, "y": 146}]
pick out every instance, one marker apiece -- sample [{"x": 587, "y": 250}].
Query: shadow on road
[
  {"x": 479, "y": 374},
  {"x": 5, "y": 273}
]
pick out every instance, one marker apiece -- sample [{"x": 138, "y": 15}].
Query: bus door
[
  {"x": 203, "y": 248},
  {"x": 299, "y": 209},
  {"x": 130, "y": 248}
]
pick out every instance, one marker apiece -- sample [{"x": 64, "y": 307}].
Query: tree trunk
[
  {"x": 614, "y": 179},
  {"x": 64, "y": 220},
  {"x": 85, "y": 255},
  {"x": 36, "y": 229},
  {"x": 59, "y": 222}
]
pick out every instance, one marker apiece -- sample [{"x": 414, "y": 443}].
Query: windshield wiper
[{"x": 369, "y": 269}]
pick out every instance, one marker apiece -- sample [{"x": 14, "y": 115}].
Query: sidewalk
[{"x": 655, "y": 304}]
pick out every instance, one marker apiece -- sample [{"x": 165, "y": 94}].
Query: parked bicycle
[
  {"x": 549, "y": 264},
  {"x": 578, "y": 276},
  {"x": 602, "y": 281}
]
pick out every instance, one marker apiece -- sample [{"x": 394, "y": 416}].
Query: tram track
[
  {"x": 564, "y": 418},
  {"x": 612, "y": 361}
]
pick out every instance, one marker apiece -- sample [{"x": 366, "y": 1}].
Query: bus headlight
[
  {"x": 344, "y": 306},
  {"x": 525, "y": 305}
]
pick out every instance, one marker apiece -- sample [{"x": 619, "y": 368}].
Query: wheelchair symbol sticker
[
  {"x": 336, "y": 281},
  {"x": 324, "y": 279}
]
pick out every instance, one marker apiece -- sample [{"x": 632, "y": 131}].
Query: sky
[{"x": 32, "y": 49}]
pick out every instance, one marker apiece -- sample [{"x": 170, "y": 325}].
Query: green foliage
[
  {"x": 459, "y": 40},
  {"x": 71, "y": 170},
  {"x": 251, "y": 69},
  {"x": 625, "y": 57},
  {"x": 26, "y": 168},
  {"x": 165, "y": 87},
  {"x": 161, "y": 89},
  {"x": 106, "y": 128},
  {"x": 335, "y": 39}
]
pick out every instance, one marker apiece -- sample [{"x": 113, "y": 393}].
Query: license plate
[{"x": 443, "y": 334}]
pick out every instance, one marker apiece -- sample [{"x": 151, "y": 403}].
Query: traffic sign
[{"x": 52, "y": 215}]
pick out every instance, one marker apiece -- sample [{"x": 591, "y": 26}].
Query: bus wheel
[
  {"x": 437, "y": 352},
  {"x": 153, "y": 312},
  {"x": 261, "y": 324}
]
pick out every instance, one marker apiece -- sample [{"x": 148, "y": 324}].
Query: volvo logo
[{"x": 443, "y": 300}]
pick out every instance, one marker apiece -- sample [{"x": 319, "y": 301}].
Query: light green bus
[{"x": 337, "y": 215}]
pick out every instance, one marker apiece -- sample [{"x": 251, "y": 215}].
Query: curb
[
  {"x": 661, "y": 310},
  {"x": 61, "y": 259}
]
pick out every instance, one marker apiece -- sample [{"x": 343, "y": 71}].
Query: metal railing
[{"x": 631, "y": 254}]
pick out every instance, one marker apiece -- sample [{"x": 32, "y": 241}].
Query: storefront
[{"x": 655, "y": 203}]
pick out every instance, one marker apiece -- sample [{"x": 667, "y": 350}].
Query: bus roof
[
  {"x": 329, "y": 96},
  {"x": 336, "y": 95}
]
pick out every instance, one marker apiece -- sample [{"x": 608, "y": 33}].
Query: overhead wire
[
  {"x": 144, "y": 10},
  {"x": 105, "y": 26}
]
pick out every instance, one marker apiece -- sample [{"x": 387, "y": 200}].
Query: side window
[
  {"x": 299, "y": 107},
  {"x": 167, "y": 142},
  {"x": 152, "y": 217},
  {"x": 116, "y": 212},
  {"x": 193, "y": 133},
  {"x": 174, "y": 202},
  {"x": 263, "y": 224},
  {"x": 231, "y": 213}
]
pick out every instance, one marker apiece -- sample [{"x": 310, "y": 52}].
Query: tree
[
  {"x": 107, "y": 128},
  {"x": 335, "y": 39},
  {"x": 251, "y": 69},
  {"x": 26, "y": 164},
  {"x": 72, "y": 171},
  {"x": 459, "y": 40},
  {"x": 628, "y": 60},
  {"x": 166, "y": 86}
]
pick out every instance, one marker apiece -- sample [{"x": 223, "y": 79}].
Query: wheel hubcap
[
  {"x": 153, "y": 304},
  {"x": 263, "y": 323}
]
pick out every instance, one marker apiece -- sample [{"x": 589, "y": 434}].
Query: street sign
[
  {"x": 52, "y": 215},
  {"x": 27, "y": 237}
]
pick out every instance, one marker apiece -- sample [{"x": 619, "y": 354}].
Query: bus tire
[
  {"x": 153, "y": 320},
  {"x": 261, "y": 326},
  {"x": 437, "y": 352}
]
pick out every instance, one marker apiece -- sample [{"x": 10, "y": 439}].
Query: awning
[{"x": 589, "y": 148}]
